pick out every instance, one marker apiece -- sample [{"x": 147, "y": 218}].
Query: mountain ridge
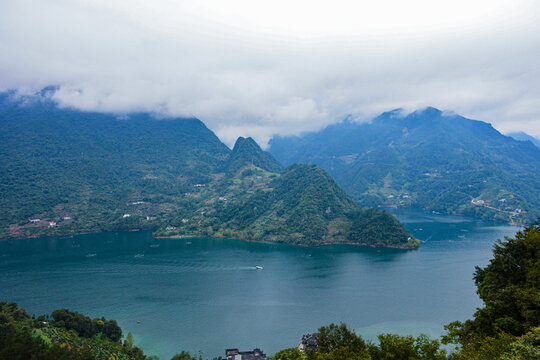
[
  {"x": 65, "y": 171},
  {"x": 521, "y": 136},
  {"x": 432, "y": 159}
]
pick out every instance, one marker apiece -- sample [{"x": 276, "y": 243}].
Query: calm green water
[{"x": 204, "y": 294}]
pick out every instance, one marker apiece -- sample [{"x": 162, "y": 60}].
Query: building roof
[
  {"x": 234, "y": 354},
  {"x": 308, "y": 342}
]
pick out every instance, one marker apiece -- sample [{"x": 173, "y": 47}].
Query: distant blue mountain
[
  {"x": 430, "y": 159},
  {"x": 521, "y": 136}
]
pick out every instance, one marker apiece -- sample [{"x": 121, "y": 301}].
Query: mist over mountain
[
  {"x": 438, "y": 161},
  {"x": 65, "y": 171}
]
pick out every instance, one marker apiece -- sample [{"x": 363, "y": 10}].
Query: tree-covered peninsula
[{"x": 303, "y": 205}]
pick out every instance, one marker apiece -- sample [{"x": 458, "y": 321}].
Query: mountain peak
[
  {"x": 429, "y": 111},
  {"x": 242, "y": 141},
  {"x": 246, "y": 151}
]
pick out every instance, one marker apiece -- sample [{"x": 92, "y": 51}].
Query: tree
[
  {"x": 510, "y": 288},
  {"x": 184, "y": 355},
  {"x": 397, "y": 347},
  {"x": 527, "y": 347},
  {"x": 287, "y": 354},
  {"x": 128, "y": 343},
  {"x": 334, "y": 336}
]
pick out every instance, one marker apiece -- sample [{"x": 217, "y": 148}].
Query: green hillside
[
  {"x": 84, "y": 171},
  {"x": 64, "y": 171},
  {"x": 429, "y": 159},
  {"x": 303, "y": 205}
]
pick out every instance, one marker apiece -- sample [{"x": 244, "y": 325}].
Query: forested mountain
[
  {"x": 87, "y": 168},
  {"x": 437, "y": 161},
  {"x": 302, "y": 205},
  {"x": 64, "y": 171}
]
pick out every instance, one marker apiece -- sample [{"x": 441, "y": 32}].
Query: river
[{"x": 205, "y": 294}]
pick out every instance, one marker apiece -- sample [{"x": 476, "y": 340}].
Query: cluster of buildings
[
  {"x": 308, "y": 343},
  {"x": 234, "y": 354}
]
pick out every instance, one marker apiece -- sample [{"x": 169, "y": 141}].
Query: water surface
[{"x": 205, "y": 294}]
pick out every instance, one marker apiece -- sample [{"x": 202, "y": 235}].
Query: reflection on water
[{"x": 205, "y": 294}]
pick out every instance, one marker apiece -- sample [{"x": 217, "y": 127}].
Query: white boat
[{"x": 258, "y": 267}]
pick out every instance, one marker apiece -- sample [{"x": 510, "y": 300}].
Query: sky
[{"x": 261, "y": 68}]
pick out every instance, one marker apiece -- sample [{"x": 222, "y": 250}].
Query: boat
[
  {"x": 91, "y": 255},
  {"x": 139, "y": 256},
  {"x": 258, "y": 267}
]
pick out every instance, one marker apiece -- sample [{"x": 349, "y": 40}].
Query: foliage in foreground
[
  {"x": 510, "y": 288},
  {"x": 69, "y": 335},
  {"x": 339, "y": 342}
]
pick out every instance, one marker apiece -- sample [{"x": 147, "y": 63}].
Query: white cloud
[{"x": 279, "y": 67}]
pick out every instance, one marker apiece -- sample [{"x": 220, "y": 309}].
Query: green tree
[
  {"x": 527, "y": 347},
  {"x": 184, "y": 355},
  {"x": 397, "y": 347},
  {"x": 334, "y": 337},
  {"x": 128, "y": 343},
  {"x": 287, "y": 354},
  {"x": 510, "y": 288}
]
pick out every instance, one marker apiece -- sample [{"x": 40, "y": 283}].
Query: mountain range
[
  {"x": 66, "y": 171},
  {"x": 431, "y": 159},
  {"x": 521, "y": 136}
]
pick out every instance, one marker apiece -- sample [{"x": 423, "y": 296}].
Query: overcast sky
[{"x": 258, "y": 68}]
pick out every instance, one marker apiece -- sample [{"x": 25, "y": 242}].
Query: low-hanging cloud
[{"x": 279, "y": 68}]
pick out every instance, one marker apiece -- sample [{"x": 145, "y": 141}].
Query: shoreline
[
  {"x": 72, "y": 234},
  {"x": 426, "y": 212},
  {"x": 187, "y": 236}
]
